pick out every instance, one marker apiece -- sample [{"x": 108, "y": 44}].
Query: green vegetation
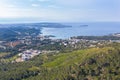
[
  {"x": 3, "y": 54},
  {"x": 12, "y": 33},
  {"x": 88, "y": 64},
  {"x": 108, "y": 37}
]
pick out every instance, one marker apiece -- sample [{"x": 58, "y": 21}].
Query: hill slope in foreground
[{"x": 88, "y": 64}]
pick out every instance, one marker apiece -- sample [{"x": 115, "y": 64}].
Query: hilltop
[{"x": 87, "y": 64}]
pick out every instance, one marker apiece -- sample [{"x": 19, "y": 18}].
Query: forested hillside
[{"x": 87, "y": 64}]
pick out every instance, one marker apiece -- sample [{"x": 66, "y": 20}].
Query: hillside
[
  {"x": 11, "y": 32},
  {"x": 88, "y": 64}
]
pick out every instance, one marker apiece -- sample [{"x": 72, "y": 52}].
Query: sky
[{"x": 59, "y": 10}]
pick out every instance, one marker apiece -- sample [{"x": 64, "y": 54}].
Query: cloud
[
  {"x": 43, "y": 0},
  {"x": 74, "y": 2},
  {"x": 35, "y": 5},
  {"x": 61, "y": 10},
  {"x": 11, "y": 6},
  {"x": 54, "y": 6}
]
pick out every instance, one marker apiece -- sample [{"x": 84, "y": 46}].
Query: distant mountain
[
  {"x": 39, "y": 25},
  {"x": 12, "y": 31}
]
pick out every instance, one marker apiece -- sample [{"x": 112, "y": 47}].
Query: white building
[{"x": 28, "y": 54}]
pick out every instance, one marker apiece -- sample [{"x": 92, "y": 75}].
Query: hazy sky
[{"x": 59, "y": 10}]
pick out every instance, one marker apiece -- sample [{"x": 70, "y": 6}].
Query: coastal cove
[{"x": 83, "y": 29}]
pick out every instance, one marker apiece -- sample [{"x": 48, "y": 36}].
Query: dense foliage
[{"x": 88, "y": 64}]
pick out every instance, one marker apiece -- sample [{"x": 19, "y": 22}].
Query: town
[{"x": 28, "y": 47}]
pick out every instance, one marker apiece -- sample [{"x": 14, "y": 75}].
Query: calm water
[{"x": 96, "y": 29}]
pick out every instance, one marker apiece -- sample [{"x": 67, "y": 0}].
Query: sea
[{"x": 83, "y": 29}]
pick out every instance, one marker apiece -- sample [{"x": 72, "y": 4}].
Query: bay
[{"x": 83, "y": 29}]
